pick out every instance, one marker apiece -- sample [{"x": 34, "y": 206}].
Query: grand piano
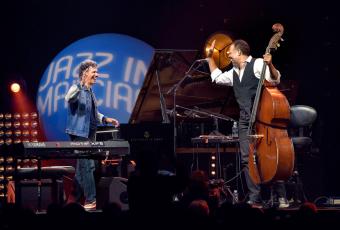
[{"x": 157, "y": 138}]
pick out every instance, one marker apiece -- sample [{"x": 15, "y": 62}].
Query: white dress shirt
[{"x": 226, "y": 78}]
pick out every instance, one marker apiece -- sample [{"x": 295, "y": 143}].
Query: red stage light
[{"x": 15, "y": 87}]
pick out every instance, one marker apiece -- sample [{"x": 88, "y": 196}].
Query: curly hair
[{"x": 85, "y": 65}]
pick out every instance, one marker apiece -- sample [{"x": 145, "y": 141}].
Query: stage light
[
  {"x": 9, "y": 160},
  {"x": 9, "y": 178},
  {"x": 8, "y": 141},
  {"x": 25, "y": 133},
  {"x": 17, "y": 141},
  {"x": 8, "y": 133},
  {"x": 9, "y": 168},
  {"x": 25, "y": 124},
  {"x": 17, "y": 133},
  {"x": 212, "y": 167},
  {"x": 34, "y": 133},
  {"x": 16, "y": 124},
  {"x": 13, "y": 127},
  {"x": 34, "y": 124},
  {"x": 8, "y": 116},
  {"x": 25, "y": 116},
  {"x": 15, "y": 87},
  {"x": 34, "y": 115},
  {"x": 8, "y": 124},
  {"x": 17, "y": 116}
]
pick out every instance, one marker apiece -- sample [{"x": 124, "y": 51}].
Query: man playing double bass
[{"x": 244, "y": 77}]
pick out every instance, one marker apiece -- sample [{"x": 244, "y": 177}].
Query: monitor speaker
[
  {"x": 112, "y": 190},
  {"x": 27, "y": 193}
]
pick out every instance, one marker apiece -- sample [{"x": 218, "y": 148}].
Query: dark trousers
[
  {"x": 84, "y": 182},
  {"x": 254, "y": 189}
]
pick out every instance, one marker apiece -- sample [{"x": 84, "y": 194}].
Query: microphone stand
[
  {"x": 207, "y": 113},
  {"x": 162, "y": 101},
  {"x": 174, "y": 89}
]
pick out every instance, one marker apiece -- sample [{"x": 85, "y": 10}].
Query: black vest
[
  {"x": 245, "y": 91},
  {"x": 93, "y": 117}
]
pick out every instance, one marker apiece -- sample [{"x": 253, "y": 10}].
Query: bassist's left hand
[{"x": 267, "y": 58}]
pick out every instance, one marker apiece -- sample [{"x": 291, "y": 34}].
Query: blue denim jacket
[{"x": 79, "y": 111}]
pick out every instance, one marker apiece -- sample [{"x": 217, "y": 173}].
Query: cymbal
[{"x": 222, "y": 43}]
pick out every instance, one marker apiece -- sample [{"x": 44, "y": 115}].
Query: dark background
[{"x": 34, "y": 31}]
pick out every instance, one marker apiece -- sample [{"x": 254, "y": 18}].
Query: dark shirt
[{"x": 93, "y": 120}]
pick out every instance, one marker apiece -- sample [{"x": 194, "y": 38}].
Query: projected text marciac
[{"x": 117, "y": 93}]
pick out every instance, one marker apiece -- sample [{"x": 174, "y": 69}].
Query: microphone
[{"x": 201, "y": 60}]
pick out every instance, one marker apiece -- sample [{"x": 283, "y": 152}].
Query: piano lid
[{"x": 196, "y": 91}]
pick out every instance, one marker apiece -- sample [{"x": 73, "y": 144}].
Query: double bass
[{"x": 271, "y": 155}]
